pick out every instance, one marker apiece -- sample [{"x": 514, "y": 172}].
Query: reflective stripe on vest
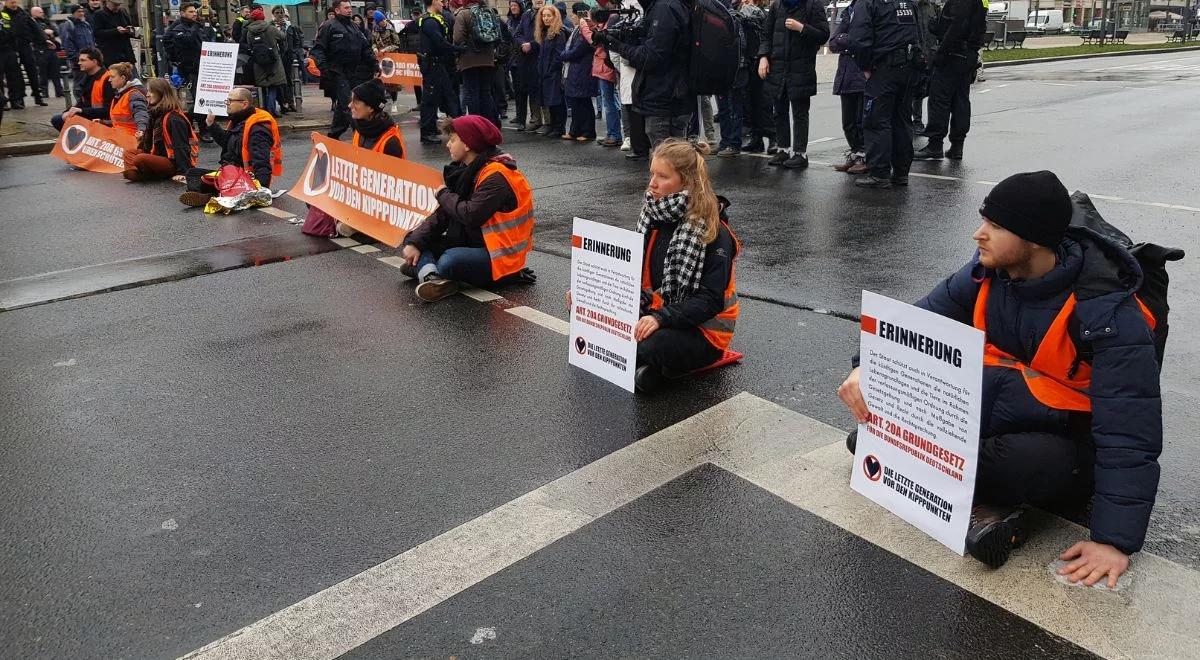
[
  {"x": 508, "y": 235},
  {"x": 98, "y": 90},
  {"x": 1055, "y": 376},
  {"x": 193, "y": 141},
  {"x": 719, "y": 329},
  {"x": 393, "y": 132},
  {"x": 121, "y": 112},
  {"x": 261, "y": 116}
]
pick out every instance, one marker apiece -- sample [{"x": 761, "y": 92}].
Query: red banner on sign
[
  {"x": 93, "y": 146},
  {"x": 381, "y": 196},
  {"x": 399, "y": 69}
]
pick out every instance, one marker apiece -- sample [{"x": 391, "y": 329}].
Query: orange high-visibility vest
[
  {"x": 1053, "y": 376},
  {"x": 121, "y": 112},
  {"x": 393, "y": 132},
  {"x": 193, "y": 141},
  {"x": 719, "y": 329},
  {"x": 508, "y": 235},
  {"x": 260, "y": 116},
  {"x": 98, "y": 90}
]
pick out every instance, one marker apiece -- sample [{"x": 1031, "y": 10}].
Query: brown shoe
[
  {"x": 845, "y": 165},
  {"x": 859, "y": 167},
  {"x": 435, "y": 288},
  {"x": 194, "y": 199}
]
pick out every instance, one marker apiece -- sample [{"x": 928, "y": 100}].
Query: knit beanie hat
[
  {"x": 477, "y": 132},
  {"x": 378, "y": 16},
  {"x": 1032, "y": 205},
  {"x": 257, "y": 15},
  {"x": 372, "y": 93}
]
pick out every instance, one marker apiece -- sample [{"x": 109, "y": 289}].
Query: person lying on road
[
  {"x": 483, "y": 226},
  {"x": 251, "y": 142},
  {"x": 1071, "y": 405},
  {"x": 169, "y": 146}
]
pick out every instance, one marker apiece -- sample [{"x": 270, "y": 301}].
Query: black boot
[
  {"x": 872, "y": 181},
  {"x": 955, "y": 152},
  {"x": 994, "y": 533},
  {"x": 753, "y": 146},
  {"x": 929, "y": 152},
  {"x": 648, "y": 379},
  {"x": 852, "y": 440}
]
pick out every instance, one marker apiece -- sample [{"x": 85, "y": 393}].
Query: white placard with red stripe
[
  {"x": 218, "y": 64},
  {"x": 922, "y": 378},
  {"x": 606, "y": 279}
]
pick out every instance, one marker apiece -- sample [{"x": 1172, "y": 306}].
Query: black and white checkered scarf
[{"x": 685, "y": 252}]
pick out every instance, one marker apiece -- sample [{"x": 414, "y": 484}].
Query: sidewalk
[
  {"x": 1061, "y": 40},
  {"x": 29, "y": 131}
]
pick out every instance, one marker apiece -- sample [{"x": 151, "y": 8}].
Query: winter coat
[
  {"x": 472, "y": 57},
  {"x": 464, "y": 207},
  {"x": 549, "y": 67},
  {"x": 960, "y": 27},
  {"x": 180, "y": 132},
  {"x": 115, "y": 47},
  {"x": 849, "y": 78},
  {"x": 526, "y": 62},
  {"x": 370, "y": 130},
  {"x": 271, "y": 75},
  {"x": 385, "y": 39},
  {"x": 187, "y": 39},
  {"x": 261, "y": 141},
  {"x": 579, "y": 82},
  {"x": 76, "y": 35},
  {"x": 707, "y": 301},
  {"x": 514, "y": 23},
  {"x": 600, "y": 67},
  {"x": 793, "y": 55},
  {"x": 341, "y": 49},
  {"x": 45, "y": 42},
  {"x": 660, "y": 84},
  {"x": 139, "y": 106},
  {"x": 1107, "y": 325}
]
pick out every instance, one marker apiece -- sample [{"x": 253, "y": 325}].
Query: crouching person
[
  {"x": 483, "y": 226},
  {"x": 689, "y": 296},
  {"x": 169, "y": 146},
  {"x": 251, "y": 142},
  {"x": 1071, "y": 408}
]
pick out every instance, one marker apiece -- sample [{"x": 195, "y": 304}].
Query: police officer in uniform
[
  {"x": 960, "y": 27},
  {"x": 883, "y": 37},
  {"x": 436, "y": 55},
  {"x": 343, "y": 53}
]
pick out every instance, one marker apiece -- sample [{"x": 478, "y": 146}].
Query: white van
[{"x": 1045, "y": 21}]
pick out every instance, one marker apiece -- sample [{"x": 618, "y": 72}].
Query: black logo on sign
[
  {"x": 580, "y": 345},
  {"x": 872, "y": 468},
  {"x": 316, "y": 179},
  {"x": 387, "y": 67},
  {"x": 74, "y": 138}
]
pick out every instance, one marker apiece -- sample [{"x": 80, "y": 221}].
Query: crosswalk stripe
[
  {"x": 365, "y": 249},
  {"x": 278, "y": 213},
  {"x": 479, "y": 295},
  {"x": 541, "y": 318}
]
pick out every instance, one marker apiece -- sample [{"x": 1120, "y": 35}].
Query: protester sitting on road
[
  {"x": 689, "y": 296},
  {"x": 550, "y": 39},
  {"x": 483, "y": 226},
  {"x": 1071, "y": 403},
  {"x": 96, "y": 95},
  {"x": 128, "y": 111},
  {"x": 374, "y": 128},
  {"x": 170, "y": 146},
  {"x": 251, "y": 142}
]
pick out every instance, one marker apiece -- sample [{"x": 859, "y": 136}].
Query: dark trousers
[
  {"x": 759, "y": 110},
  {"x": 10, "y": 65},
  {"x": 676, "y": 351},
  {"x": 950, "y": 100},
  {"x": 195, "y": 181},
  {"x": 437, "y": 90},
  {"x": 499, "y": 91},
  {"x": 558, "y": 119},
  {"x": 477, "y": 92},
  {"x": 340, "y": 86},
  {"x": 1036, "y": 468},
  {"x": 287, "y": 93},
  {"x": 791, "y": 128},
  {"x": 852, "y": 121},
  {"x": 29, "y": 62},
  {"x": 730, "y": 107},
  {"x": 583, "y": 116},
  {"x": 887, "y": 120},
  {"x": 49, "y": 72},
  {"x": 639, "y": 142},
  {"x": 520, "y": 95},
  {"x": 661, "y": 128}
]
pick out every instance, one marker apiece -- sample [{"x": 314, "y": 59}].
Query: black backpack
[
  {"x": 716, "y": 49},
  {"x": 261, "y": 51},
  {"x": 504, "y": 47},
  {"x": 1152, "y": 258}
]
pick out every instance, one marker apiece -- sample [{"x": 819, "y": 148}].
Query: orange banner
[
  {"x": 381, "y": 196},
  {"x": 93, "y": 146},
  {"x": 399, "y": 69}
]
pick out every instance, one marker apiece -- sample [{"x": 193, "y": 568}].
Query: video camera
[{"x": 627, "y": 30}]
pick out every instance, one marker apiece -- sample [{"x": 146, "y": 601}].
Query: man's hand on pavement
[
  {"x": 851, "y": 394},
  {"x": 1091, "y": 562}
]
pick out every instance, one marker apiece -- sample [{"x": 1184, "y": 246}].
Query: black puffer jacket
[
  {"x": 793, "y": 55},
  {"x": 1108, "y": 329},
  {"x": 661, "y": 61}
]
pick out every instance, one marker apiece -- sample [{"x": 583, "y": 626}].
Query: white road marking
[
  {"x": 985, "y": 91},
  {"x": 541, "y": 318},
  {"x": 934, "y": 176},
  {"x": 345, "y": 242},
  {"x": 798, "y": 459},
  {"x": 365, "y": 249},
  {"x": 483, "y": 634},
  {"x": 987, "y": 183},
  {"x": 820, "y": 140},
  {"x": 479, "y": 295},
  {"x": 278, "y": 213},
  {"x": 1055, "y": 84}
]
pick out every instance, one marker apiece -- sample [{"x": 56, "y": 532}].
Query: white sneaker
[{"x": 626, "y": 145}]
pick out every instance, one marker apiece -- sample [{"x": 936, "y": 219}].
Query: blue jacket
[
  {"x": 849, "y": 78},
  {"x": 1126, "y": 418},
  {"x": 578, "y": 55},
  {"x": 76, "y": 35},
  {"x": 549, "y": 66}
]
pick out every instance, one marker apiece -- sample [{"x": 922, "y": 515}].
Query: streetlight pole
[{"x": 147, "y": 39}]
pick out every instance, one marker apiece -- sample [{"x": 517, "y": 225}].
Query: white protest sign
[
  {"x": 606, "y": 272},
  {"x": 922, "y": 378},
  {"x": 218, "y": 64}
]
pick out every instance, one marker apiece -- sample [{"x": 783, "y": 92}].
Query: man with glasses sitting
[{"x": 251, "y": 142}]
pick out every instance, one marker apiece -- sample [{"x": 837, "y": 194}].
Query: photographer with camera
[{"x": 657, "y": 48}]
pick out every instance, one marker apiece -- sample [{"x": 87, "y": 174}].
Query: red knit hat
[
  {"x": 477, "y": 132},
  {"x": 257, "y": 15}
]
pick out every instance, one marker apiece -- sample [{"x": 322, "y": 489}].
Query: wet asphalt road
[{"x": 185, "y": 458}]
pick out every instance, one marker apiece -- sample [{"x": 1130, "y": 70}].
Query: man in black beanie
[{"x": 1071, "y": 405}]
